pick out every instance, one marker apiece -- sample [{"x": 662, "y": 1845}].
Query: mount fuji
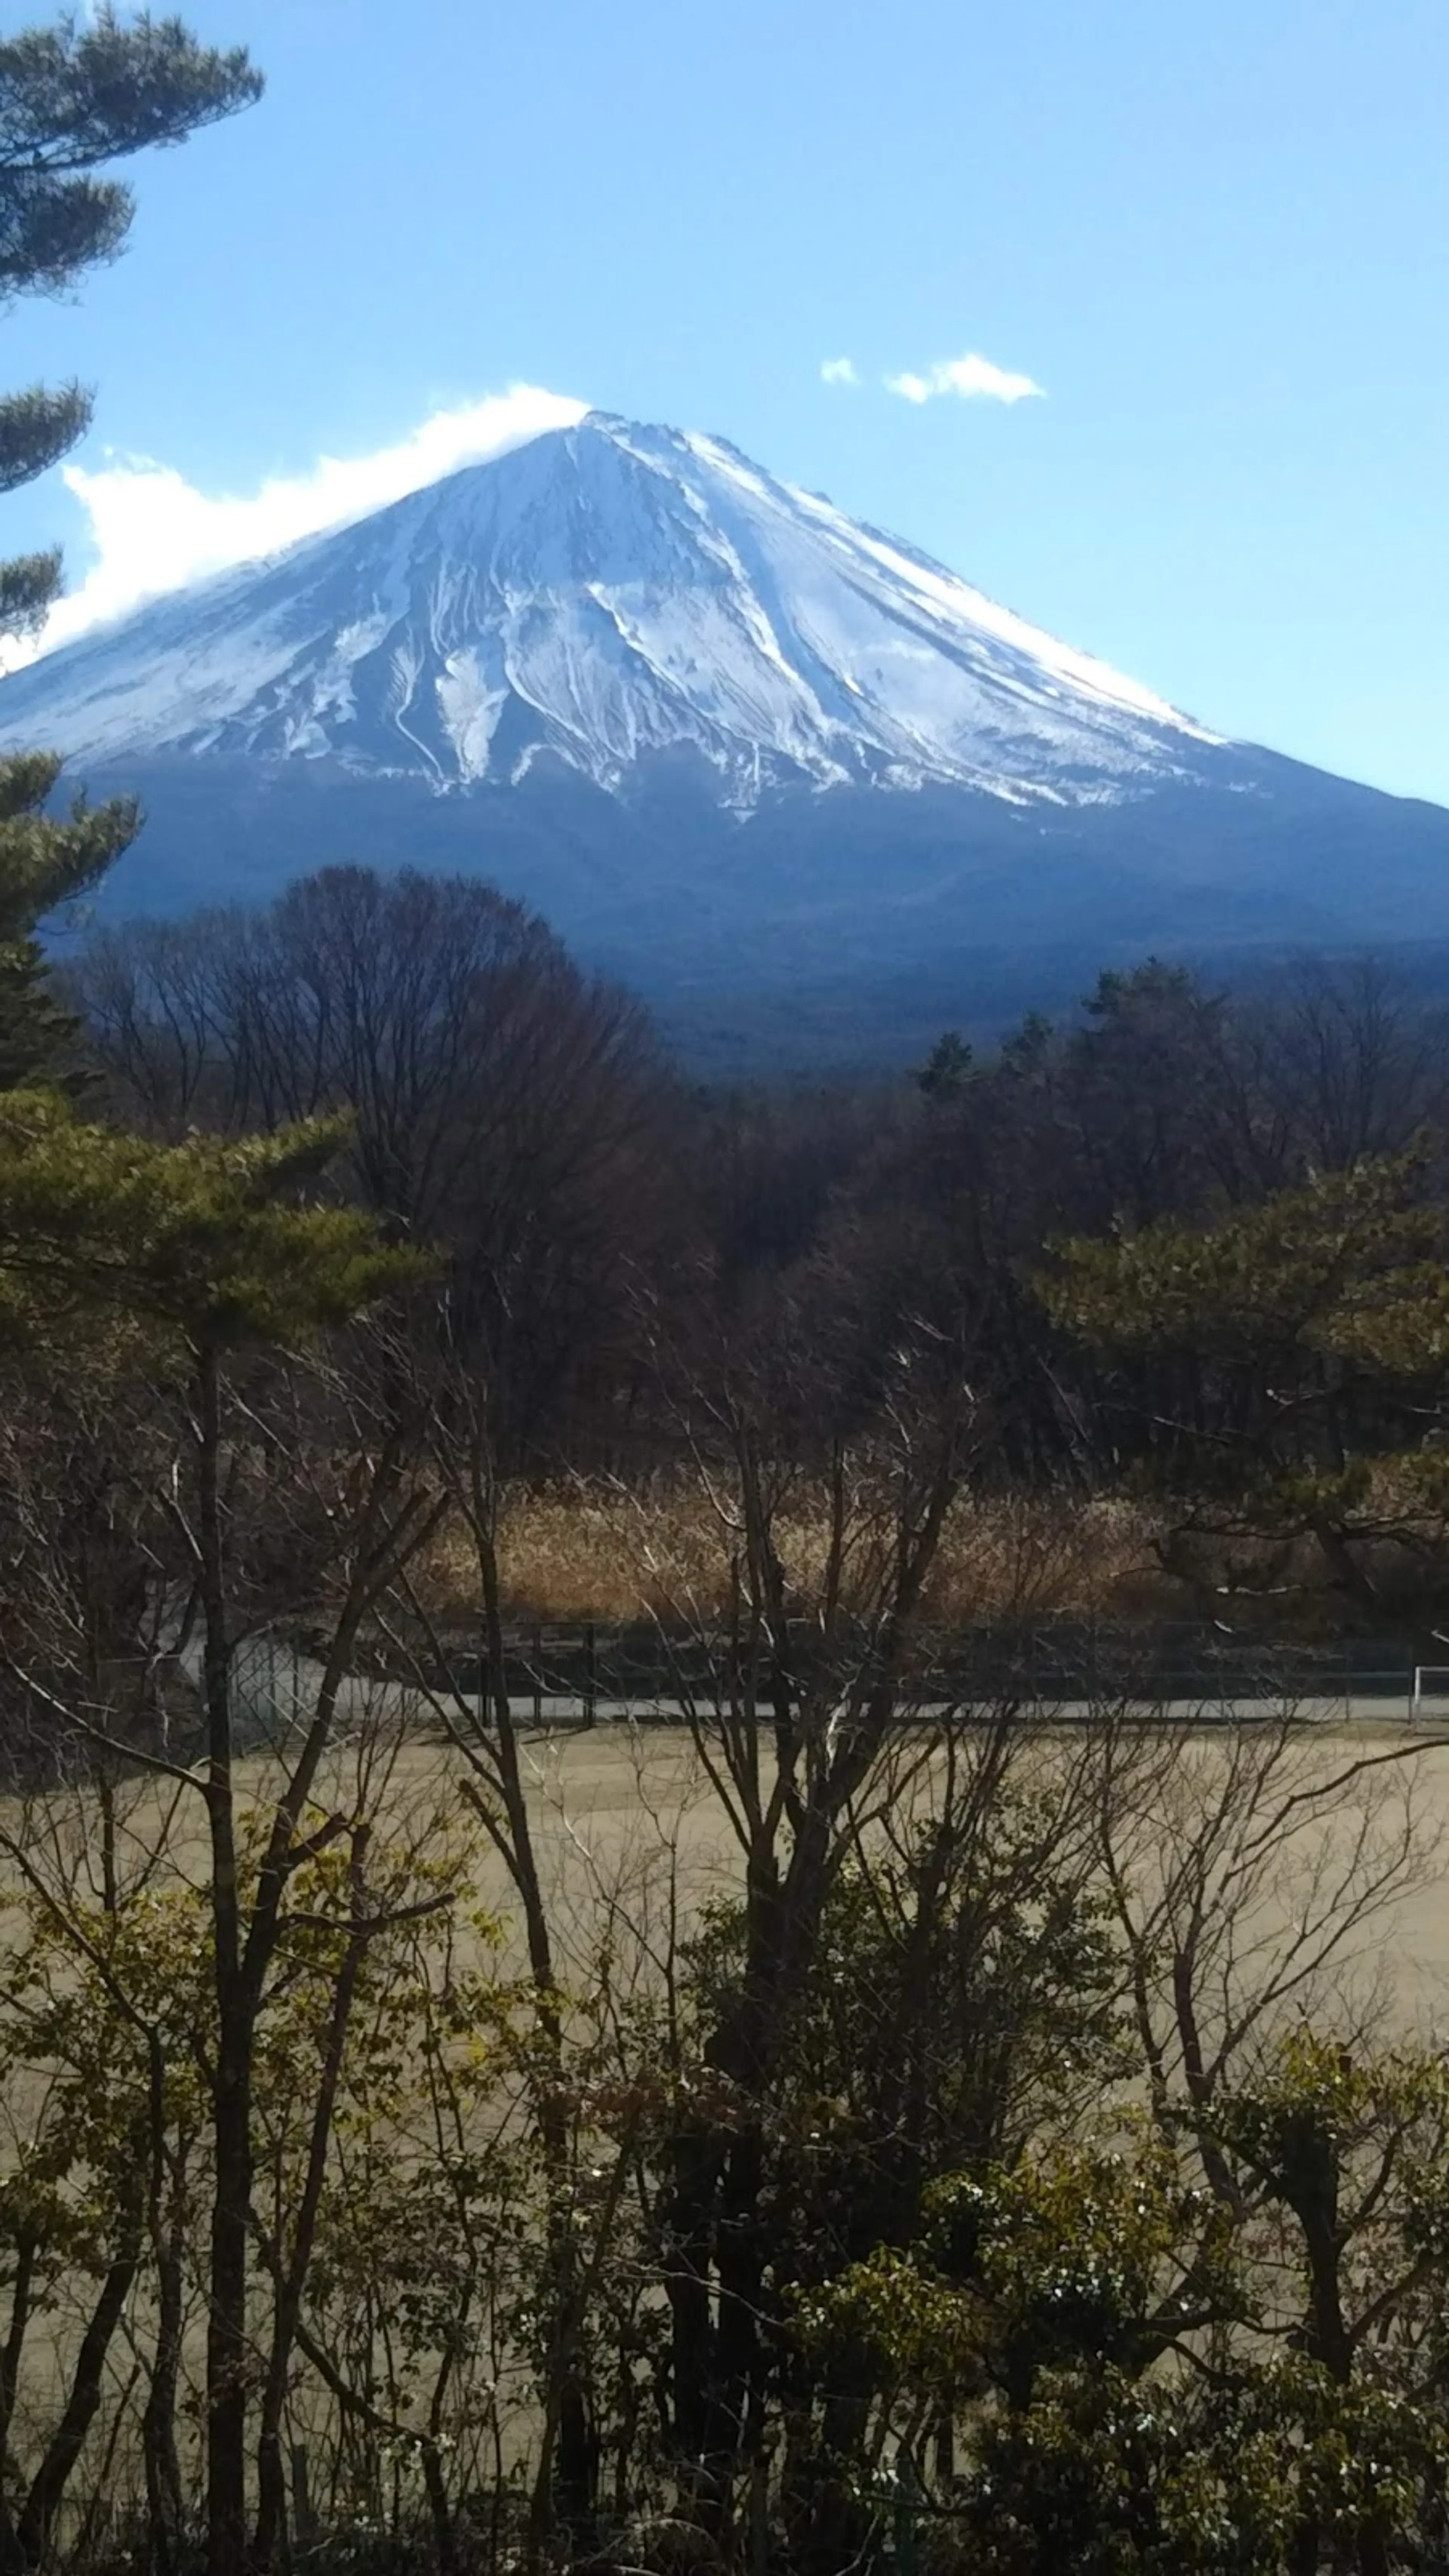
[{"x": 727, "y": 739}]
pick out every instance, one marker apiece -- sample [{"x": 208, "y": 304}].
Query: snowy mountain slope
[
  {"x": 729, "y": 741},
  {"x": 606, "y": 593}
]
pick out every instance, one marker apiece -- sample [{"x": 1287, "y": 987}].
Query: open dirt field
[{"x": 629, "y": 1826}]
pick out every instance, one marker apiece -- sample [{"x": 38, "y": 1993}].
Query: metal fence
[
  {"x": 586, "y": 1673},
  {"x": 592, "y": 1671}
]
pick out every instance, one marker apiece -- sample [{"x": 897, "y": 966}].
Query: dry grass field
[
  {"x": 615, "y": 1553},
  {"x": 625, "y": 1815},
  {"x": 598, "y": 1552},
  {"x": 630, "y": 1831}
]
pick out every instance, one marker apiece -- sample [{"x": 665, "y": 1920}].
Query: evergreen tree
[
  {"x": 947, "y": 1069},
  {"x": 73, "y": 99},
  {"x": 216, "y": 1241},
  {"x": 1289, "y": 1361}
]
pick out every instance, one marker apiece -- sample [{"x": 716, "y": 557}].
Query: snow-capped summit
[
  {"x": 604, "y": 593},
  {"x": 724, "y": 737}
]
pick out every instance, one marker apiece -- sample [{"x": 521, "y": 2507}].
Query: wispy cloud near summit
[
  {"x": 973, "y": 378},
  {"x": 153, "y": 531},
  {"x": 838, "y": 371}
]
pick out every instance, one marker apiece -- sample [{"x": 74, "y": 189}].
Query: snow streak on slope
[{"x": 605, "y": 594}]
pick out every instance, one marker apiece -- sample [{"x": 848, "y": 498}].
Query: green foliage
[
  {"x": 36, "y": 429},
  {"x": 1262, "y": 2474},
  {"x": 1289, "y": 1357},
  {"x": 1079, "y": 2256},
  {"x": 77, "y": 95},
  {"x": 947, "y": 1070},
  {"x": 101, "y": 2013},
  {"x": 1317, "y": 2099},
  {"x": 1348, "y": 1268},
  {"x": 957, "y": 2000},
  {"x": 44, "y": 863},
  {"x": 73, "y": 97},
  {"x": 1152, "y": 2375},
  {"x": 212, "y": 1239},
  {"x": 108, "y": 2032},
  {"x": 1098, "y": 2478},
  {"x": 1084, "y": 2253},
  {"x": 29, "y": 585}
]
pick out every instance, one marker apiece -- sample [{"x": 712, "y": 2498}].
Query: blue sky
[{"x": 1216, "y": 236}]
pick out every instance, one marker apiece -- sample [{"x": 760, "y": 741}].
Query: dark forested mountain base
[{"x": 834, "y": 930}]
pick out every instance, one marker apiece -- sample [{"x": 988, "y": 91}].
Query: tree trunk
[
  {"x": 227, "y": 2355},
  {"x": 231, "y": 2091},
  {"x": 292, "y": 2272},
  {"x": 158, "y": 2425},
  {"x": 567, "y": 2468},
  {"x": 51, "y": 2478}
]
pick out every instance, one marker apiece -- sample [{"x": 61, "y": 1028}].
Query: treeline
[{"x": 612, "y": 1233}]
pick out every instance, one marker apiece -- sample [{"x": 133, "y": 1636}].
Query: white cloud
[
  {"x": 839, "y": 371},
  {"x": 153, "y": 531},
  {"x": 974, "y": 378}
]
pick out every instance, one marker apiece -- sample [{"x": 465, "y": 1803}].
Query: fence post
[
  {"x": 538, "y": 1673},
  {"x": 304, "y": 2521},
  {"x": 906, "y": 2517},
  {"x": 591, "y": 1673},
  {"x": 760, "y": 2514}
]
